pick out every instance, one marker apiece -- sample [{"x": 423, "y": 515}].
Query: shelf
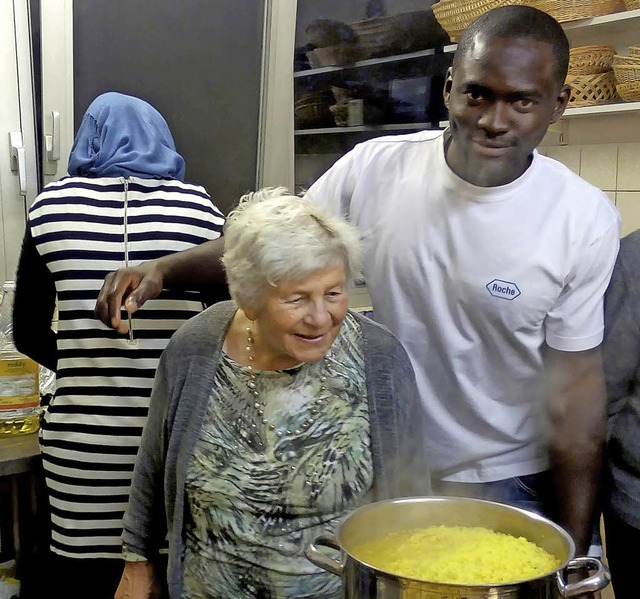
[
  {"x": 620, "y": 108},
  {"x": 613, "y": 23},
  {"x": 361, "y": 128},
  {"x": 619, "y": 30},
  {"x": 365, "y": 63}
]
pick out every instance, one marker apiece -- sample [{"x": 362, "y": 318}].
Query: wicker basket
[
  {"x": 590, "y": 60},
  {"x": 455, "y": 15},
  {"x": 627, "y": 73},
  {"x": 622, "y": 60},
  {"x": 340, "y": 54},
  {"x": 629, "y": 92},
  {"x": 312, "y": 110},
  {"x": 634, "y": 51},
  {"x": 631, "y": 4},
  {"x": 592, "y": 90},
  {"x": 378, "y": 36},
  {"x": 572, "y": 10}
]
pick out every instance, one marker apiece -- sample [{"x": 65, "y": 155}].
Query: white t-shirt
[{"x": 473, "y": 281}]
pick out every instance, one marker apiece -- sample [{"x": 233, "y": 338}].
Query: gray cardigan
[
  {"x": 621, "y": 356},
  {"x": 180, "y": 394}
]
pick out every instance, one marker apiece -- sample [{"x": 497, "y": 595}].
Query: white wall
[{"x": 605, "y": 150}]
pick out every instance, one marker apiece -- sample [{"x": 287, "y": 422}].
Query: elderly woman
[{"x": 272, "y": 416}]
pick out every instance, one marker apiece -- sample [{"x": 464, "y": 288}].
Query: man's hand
[
  {"x": 138, "y": 582},
  {"x": 127, "y": 288},
  {"x": 198, "y": 267}
]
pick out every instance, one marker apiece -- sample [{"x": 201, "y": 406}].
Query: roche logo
[{"x": 503, "y": 289}]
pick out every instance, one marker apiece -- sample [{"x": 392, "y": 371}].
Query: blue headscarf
[{"x": 123, "y": 136}]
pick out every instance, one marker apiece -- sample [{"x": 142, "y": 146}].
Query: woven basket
[
  {"x": 627, "y": 73},
  {"x": 622, "y": 60},
  {"x": 634, "y": 51},
  {"x": 631, "y": 4},
  {"x": 455, "y": 15},
  {"x": 592, "y": 90},
  {"x": 629, "y": 92},
  {"x": 590, "y": 60},
  {"x": 379, "y": 35},
  {"x": 312, "y": 110},
  {"x": 572, "y": 10},
  {"x": 340, "y": 54}
]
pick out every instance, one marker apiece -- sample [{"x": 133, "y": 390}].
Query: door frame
[{"x": 275, "y": 158}]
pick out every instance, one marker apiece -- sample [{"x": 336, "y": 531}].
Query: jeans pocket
[{"x": 530, "y": 486}]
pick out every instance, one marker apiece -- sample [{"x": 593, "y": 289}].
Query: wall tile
[
  {"x": 628, "y": 204},
  {"x": 598, "y": 165},
  {"x": 568, "y": 155},
  {"x": 629, "y": 167}
]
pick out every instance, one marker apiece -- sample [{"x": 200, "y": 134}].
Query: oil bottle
[{"x": 19, "y": 376}]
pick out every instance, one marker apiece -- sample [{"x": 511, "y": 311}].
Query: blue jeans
[{"x": 532, "y": 492}]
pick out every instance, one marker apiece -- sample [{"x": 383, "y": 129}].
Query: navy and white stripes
[{"x": 92, "y": 429}]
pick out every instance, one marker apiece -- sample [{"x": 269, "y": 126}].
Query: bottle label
[
  {"x": 355, "y": 113},
  {"x": 19, "y": 385}
]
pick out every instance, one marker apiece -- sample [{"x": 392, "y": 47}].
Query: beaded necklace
[{"x": 260, "y": 405}]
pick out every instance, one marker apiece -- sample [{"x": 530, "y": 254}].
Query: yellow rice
[{"x": 457, "y": 555}]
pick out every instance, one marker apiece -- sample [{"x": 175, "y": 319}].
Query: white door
[
  {"x": 18, "y": 170},
  {"x": 25, "y": 135}
]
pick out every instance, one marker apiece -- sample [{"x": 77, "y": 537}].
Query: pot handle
[
  {"x": 593, "y": 583},
  {"x": 317, "y": 557}
]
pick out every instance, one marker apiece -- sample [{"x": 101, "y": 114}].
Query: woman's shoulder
[
  {"x": 371, "y": 328},
  {"x": 377, "y": 337},
  {"x": 207, "y": 328}
]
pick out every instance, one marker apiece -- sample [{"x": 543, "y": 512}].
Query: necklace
[{"x": 260, "y": 405}]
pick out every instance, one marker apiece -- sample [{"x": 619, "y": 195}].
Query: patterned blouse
[{"x": 281, "y": 458}]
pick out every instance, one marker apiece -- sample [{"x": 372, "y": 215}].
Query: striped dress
[{"x": 82, "y": 229}]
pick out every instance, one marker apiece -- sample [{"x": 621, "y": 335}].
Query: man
[{"x": 489, "y": 262}]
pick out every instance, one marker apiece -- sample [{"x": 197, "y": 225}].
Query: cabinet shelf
[
  {"x": 605, "y": 109},
  {"x": 613, "y": 23},
  {"x": 366, "y": 63},
  {"x": 361, "y": 128},
  {"x": 619, "y": 108}
]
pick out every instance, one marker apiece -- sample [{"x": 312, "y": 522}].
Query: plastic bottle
[{"x": 19, "y": 376}]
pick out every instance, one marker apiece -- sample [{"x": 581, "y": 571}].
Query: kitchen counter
[
  {"x": 22, "y": 522},
  {"x": 16, "y": 453}
]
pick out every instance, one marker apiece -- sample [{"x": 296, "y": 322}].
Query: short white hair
[{"x": 274, "y": 236}]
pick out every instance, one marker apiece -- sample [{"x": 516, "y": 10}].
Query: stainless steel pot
[{"x": 362, "y": 581}]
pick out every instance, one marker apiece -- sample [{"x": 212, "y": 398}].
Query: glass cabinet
[{"x": 363, "y": 68}]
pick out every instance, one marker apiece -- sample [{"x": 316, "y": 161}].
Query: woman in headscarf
[
  {"x": 125, "y": 201},
  {"x": 272, "y": 416}
]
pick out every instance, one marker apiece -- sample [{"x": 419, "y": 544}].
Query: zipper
[{"x": 131, "y": 339}]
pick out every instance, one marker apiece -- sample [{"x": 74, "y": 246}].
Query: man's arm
[
  {"x": 197, "y": 267},
  {"x": 578, "y": 410}
]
